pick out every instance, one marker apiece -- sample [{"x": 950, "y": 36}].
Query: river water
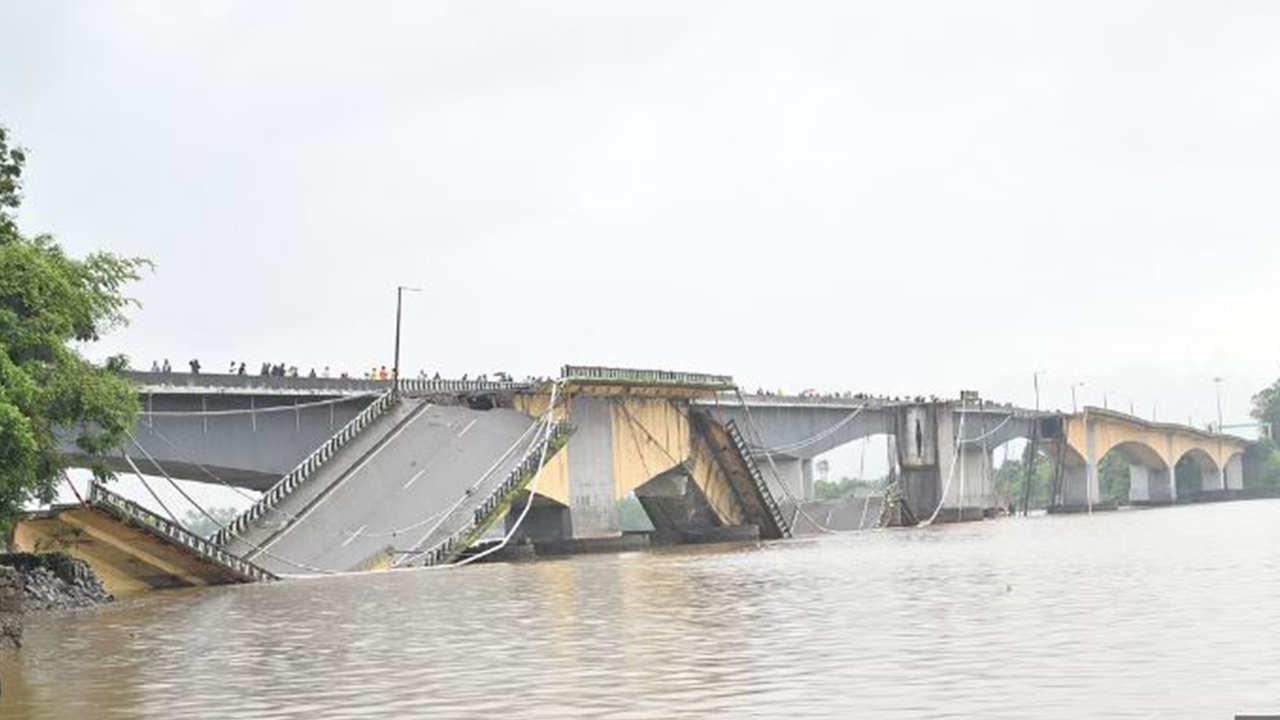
[{"x": 1169, "y": 613}]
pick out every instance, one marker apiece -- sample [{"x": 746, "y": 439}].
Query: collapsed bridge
[{"x": 361, "y": 475}]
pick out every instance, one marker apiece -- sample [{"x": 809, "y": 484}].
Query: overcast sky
[{"x": 882, "y": 196}]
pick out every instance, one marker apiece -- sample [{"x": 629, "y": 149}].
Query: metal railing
[
  {"x": 103, "y": 499},
  {"x": 304, "y": 470},
  {"x": 585, "y": 374},
  {"x": 762, "y": 489},
  {"x": 467, "y": 528},
  {"x": 427, "y": 386}
]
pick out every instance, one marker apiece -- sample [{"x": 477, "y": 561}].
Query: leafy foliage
[
  {"x": 834, "y": 490},
  {"x": 47, "y": 390},
  {"x": 1011, "y": 477},
  {"x": 12, "y": 159},
  {"x": 1262, "y": 459},
  {"x": 1113, "y": 477}
]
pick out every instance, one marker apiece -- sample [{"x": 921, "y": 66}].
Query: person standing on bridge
[
  {"x": 382, "y": 373},
  {"x": 155, "y": 366},
  {"x": 195, "y": 366},
  {"x": 240, "y": 371},
  {"x": 166, "y": 367}
]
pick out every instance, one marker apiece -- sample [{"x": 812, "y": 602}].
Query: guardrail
[
  {"x": 305, "y": 469},
  {"x": 413, "y": 385},
  {"x": 766, "y": 496},
  {"x": 460, "y": 538},
  {"x": 586, "y": 374},
  {"x": 181, "y": 382},
  {"x": 102, "y": 499}
]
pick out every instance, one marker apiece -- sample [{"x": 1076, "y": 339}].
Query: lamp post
[
  {"x": 1035, "y": 381},
  {"x": 1075, "y": 385},
  {"x": 1217, "y": 386},
  {"x": 395, "y": 367}
]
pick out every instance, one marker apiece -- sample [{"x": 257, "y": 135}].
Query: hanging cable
[
  {"x": 751, "y": 423},
  {"x": 154, "y": 496},
  {"x": 950, "y": 473},
  {"x": 174, "y": 483},
  {"x": 255, "y": 411},
  {"x": 215, "y": 521},
  {"x": 985, "y": 435},
  {"x": 792, "y": 447},
  {"x": 532, "y": 490},
  {"x": 544, "y": 421}
]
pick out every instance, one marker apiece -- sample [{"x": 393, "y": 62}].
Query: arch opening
[
  {"x": 1196, "y": 472},
  {"x": 1133, "y": 473},
  {"x": 845, "y": 485},
  {"x": 1054, "y": 466}
]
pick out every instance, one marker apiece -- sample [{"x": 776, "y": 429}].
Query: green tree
[
  {"x": 1262, "y": 459},
  {"x": 1266, "y": 404},
  {"x": 1113, "y": 478},
  {"x": 1011, "y": 477},
  {"x": 48, "y": 392},
  {"x": 829, "y": 490}
]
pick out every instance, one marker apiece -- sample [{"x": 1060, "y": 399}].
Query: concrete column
[
  {"x": 1075, "y": 483},
  {"x": 1213, "y": 480},
  {"x": 1139, "y": 483},
  {"x": 1172, "y": 478},
  {"x": 590, "y": 459},
  {"x": 1233, "y": 476},
  {"x": 919, "y": 458},
  {"x": 791, "y": 473},
  {"x": 1090, "y": 492},
  {"x": 1161, "y": 486},
  {"x": 979, "y": 490}
]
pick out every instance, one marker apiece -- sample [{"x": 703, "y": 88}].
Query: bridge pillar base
[
  {"x": 546, "y": 522},
  {"x": 1139, "y": 483},
  {"x": 1233, "y": 475}
]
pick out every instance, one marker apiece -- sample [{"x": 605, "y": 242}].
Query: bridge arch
[
  {"x": 1196, "y": 471},
  {"x": 1133, "y": 471}
]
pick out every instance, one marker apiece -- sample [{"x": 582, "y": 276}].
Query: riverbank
[{"x": 42, "y": 583}]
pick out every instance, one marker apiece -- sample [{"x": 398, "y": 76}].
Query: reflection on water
[{"x": 1163, "y": 613}]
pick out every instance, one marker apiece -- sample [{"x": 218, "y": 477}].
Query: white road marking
[
  {"x": 354, "y": 535},
  {"x": 414, "y": 479},
  {"x": 465, "y": 429},
  {"x": 328, "y": 493}
]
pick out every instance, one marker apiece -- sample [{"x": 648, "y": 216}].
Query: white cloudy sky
[{"x": 900, "y": 197}]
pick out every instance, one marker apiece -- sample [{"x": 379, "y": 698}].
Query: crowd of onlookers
[
  {"x": 283, "y": 370},
  {"x": 865, "y": 397}
]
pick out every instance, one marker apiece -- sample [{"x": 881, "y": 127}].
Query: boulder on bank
[{"x": 43, "y": 582}]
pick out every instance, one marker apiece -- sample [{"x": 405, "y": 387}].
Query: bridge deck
[{"x": 387, "y": 495}]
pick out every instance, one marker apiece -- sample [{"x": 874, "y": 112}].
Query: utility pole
[
  {"x": 1217, "y": 386},
  {"x": 1032, "y": 450},
  {"x": 395, "y": 368},
  {"x": 1074, "y": 385}
]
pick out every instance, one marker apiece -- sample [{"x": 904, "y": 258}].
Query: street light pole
[
  {"x": 1035, "y": 381},
  {"x": 1074, "y": 385},
  {"x": 1217, "y": 386},
  {"x": 395, "y": 367}
]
